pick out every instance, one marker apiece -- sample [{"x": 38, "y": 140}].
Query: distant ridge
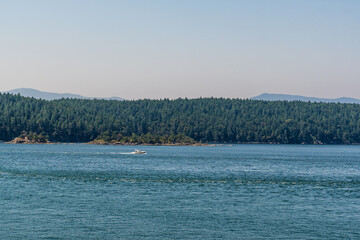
[
  {"x": 30, "y": 92},
  {"x": 286, "y": 97}
]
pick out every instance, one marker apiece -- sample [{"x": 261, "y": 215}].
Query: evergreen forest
[{"x": 205, "y": 120}]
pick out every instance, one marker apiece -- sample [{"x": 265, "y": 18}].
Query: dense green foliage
[
  {"x": 149, "y": 138},
  {"x": 203, "y": 119}
]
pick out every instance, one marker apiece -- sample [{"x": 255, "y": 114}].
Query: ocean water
[{"x": 223, "y": 192}]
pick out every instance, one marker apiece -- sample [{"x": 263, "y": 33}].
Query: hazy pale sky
[{"x": 181, "y": 48}]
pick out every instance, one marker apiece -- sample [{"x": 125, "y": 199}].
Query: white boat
[{"x": 138, "y": 152}]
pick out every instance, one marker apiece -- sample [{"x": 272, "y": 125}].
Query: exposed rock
[
  {"x": 102, "y": 142},
  {"x": 26, "y": 140}
]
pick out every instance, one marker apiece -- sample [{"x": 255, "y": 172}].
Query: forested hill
[{"x": 204, "y": 120}]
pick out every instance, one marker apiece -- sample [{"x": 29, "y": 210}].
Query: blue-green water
[{"x": 224, "y": 192}]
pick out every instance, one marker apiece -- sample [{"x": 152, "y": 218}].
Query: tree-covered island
[{"x": 180, "y": 121}]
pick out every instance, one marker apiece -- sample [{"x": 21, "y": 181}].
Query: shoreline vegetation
[
  {"x": 150, "y": 144},
  {"x": 96, "y": 142},
  {"x": 134, "y": 140},
  {"x": 30, "y": 138},
  {"x": 199, "y": 121},
  {"x": 146, "y": 140}
]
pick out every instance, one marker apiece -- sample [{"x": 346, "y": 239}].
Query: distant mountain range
[
  {"x": 29, "y": 92},
  {"x": 285, "y": 97}
]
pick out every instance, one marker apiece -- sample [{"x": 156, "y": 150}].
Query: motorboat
[{"x": 138, "y": 152}]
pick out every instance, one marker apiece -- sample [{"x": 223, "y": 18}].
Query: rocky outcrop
[
  {"x": 26, "y": 140},
  {"x": 101, "y": 142}
]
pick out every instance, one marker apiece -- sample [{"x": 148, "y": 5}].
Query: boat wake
[{"x": 130, "y": 153}]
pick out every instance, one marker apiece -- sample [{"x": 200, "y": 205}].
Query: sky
[{"x": 155, "y": 49}]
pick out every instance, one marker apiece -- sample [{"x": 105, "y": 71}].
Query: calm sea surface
[{"x": 224, "y": 192}]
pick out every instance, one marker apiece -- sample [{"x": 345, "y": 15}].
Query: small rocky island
[{"x": 30, "y": 138}]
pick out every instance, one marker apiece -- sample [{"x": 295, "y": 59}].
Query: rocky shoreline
[
  {"x": 151, "y": 144},
  {"x": 26, "y": 140}
]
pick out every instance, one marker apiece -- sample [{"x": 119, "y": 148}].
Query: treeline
[{"x": 202, "y": 120}]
